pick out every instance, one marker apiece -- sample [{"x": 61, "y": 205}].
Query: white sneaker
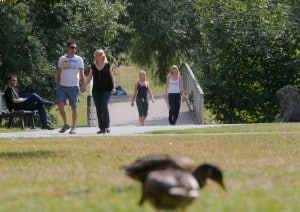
[{"x": 73, "y": 130}]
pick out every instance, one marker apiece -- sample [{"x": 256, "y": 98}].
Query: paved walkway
[
  {"x": 123, "y": 114},
  {"x": 124, "y": 121}
]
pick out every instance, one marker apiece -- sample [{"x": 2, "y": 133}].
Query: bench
[{"x": 23, "y": 115}]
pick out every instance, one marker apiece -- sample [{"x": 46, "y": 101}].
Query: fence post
[{"x": 91, "y": 112}]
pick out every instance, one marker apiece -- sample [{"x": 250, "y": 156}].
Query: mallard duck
[{"x": 171, "y": 181}]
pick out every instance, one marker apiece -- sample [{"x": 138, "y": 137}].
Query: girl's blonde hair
[
  {"x": 143, "y": 72},
  {"x": 101, "y": 52}
]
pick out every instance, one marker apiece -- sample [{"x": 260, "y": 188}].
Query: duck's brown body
[
  {"x": 170, "y": 189},
  {"x": 139, "y": 169}
]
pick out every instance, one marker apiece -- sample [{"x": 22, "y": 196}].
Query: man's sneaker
[
  {"x": 73, "y": 130},
  {"x": 64, "y": 128},
  {"x": 47, "y": 127}
]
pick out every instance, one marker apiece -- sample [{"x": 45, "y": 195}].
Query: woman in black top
[{"x": 103, "y": 87}]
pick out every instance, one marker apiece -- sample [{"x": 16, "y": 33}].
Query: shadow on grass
[{"x": 30, "y": 154}]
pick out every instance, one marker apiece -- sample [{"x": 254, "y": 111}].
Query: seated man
[{"x": 33, "y": 102}]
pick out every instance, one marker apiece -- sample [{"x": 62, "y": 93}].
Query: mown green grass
[
  {"x": 261, "y": 171},
  {"x": 242, "y": 128}
]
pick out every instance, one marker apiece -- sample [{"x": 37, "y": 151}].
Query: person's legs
[
  {"x": 97, "y": 96},
  {"x": 145, "y": 107},
  {"x": 43, "y": 115},
  {"x": 142, "y": 121},
  {"x": 35, "y": 102},
  {"x": 140, "y": 107},
  {"x": 61, "y": 98},
  {"x": 74, "y": 116},
  {"x": 73, "y": 95},
  {"x": 62, "y": 112},
  {"x": 177, "y": 102},
  {"x": 61, "y": 101},
  {"x": 171, "y": 108},
  {"x": 104, "y": 107}
]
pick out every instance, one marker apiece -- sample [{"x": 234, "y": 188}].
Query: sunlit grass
[
  {"x": 242, "y": 128},
  {"x": 127, "y": 76},
  {"x": 82, "y": 173}
]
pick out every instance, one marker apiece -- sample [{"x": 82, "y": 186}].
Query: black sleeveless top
[
  {"x": 142, "y": 91},
  {"x": 102, "y": 80}
]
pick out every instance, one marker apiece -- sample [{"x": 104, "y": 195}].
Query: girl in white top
[{"x": 174, "y": 92}]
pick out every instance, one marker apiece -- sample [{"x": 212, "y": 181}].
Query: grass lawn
[{"x": 261, "y": 170}]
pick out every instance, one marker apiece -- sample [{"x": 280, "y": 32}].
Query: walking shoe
[
  {"x": 101, "y": 132},
  {"x": 48, "y": 104},
  {"x": 47, "y": 127},
  {"x": 107, "y": 130},
  {"x": 64, "y": 128},
  {"x": 73, "y": 130}
]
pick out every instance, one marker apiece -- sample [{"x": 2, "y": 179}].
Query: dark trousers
[
  {"x": 101, "y": 102},
  {"x": 142, "y": 105},
  {"x": 174, "y": 107},
  {"x": 35, "y": 102}
]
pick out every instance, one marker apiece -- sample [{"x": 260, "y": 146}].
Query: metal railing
[{"x": 195, "y": 95}]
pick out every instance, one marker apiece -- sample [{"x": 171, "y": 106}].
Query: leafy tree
[
  {"x": 93, "y": 24},
  {"x": 249, "y": 50},
  {"x": 20, "y": 50},
  {"x": 163, "y": 32}
]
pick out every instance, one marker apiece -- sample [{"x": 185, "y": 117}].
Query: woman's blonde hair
[
  {"x": 101, "y": 52},
  {"x": 176, "y": 68}
]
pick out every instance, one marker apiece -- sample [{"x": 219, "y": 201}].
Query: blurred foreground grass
[{"x": 83, "y": 173}]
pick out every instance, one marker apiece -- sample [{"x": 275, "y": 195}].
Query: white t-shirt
[
  {"x": 70, "y": 70},
  {"x": 174, "y": 86}
]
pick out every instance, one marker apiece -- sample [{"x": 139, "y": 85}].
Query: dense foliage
[
  {"x": 249, "y": 51},
  {"x": 241, "y": 51}
]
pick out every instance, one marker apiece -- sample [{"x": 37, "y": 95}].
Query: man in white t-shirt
[{"x": 69, "y": 77}]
